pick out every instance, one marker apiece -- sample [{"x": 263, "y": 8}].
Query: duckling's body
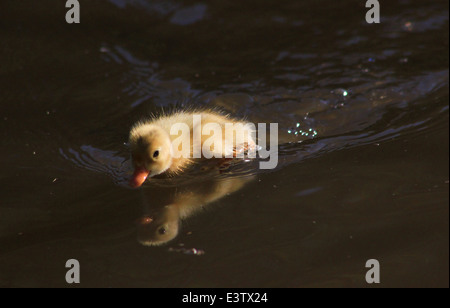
[{"x": 156, "y": 144}]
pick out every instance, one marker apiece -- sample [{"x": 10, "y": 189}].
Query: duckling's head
[{"x": 151, "y": 152}]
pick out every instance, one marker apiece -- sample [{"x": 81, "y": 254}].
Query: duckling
[{"x": 153, "y": 143}]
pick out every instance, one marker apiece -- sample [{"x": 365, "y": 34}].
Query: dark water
[{"x": 363, "y": 118}]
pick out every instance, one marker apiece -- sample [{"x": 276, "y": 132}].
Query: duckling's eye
[
  {"x": 162, "y": 230},
  {"x": 155, "y": 154}
]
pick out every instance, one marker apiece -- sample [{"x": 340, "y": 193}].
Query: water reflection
[
  {"x": 168, "y": 201},
  {"x": 161, "y": 222}
]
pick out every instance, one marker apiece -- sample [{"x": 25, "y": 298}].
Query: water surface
[{"x": 363, "y": 121}]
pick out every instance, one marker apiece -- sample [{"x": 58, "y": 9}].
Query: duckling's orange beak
[{"x": 139, "y": 176}]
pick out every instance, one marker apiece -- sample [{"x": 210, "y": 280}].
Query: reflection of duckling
[
  {"x": 152, "y": 145},
  {"x": 161, "y": 225}
]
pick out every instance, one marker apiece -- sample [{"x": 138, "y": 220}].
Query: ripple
[
  {"x": 341, "y": 109},
  {"x": 162, "y": 7},
  {"x": 189, "y": 15},
  {"x": 100, "y": 161},
  {"x": 119, "y": 169}
]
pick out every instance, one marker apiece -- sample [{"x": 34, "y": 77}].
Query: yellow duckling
[{"x": 157, "y": 144}]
